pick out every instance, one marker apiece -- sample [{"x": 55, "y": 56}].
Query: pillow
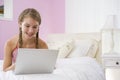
[
  {"x": 93, "y": 49},
  {"x": 83, "y": 47},
  {"x": 66, "y": 49}
]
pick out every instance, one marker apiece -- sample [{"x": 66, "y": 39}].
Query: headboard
[{"x": 52, "y": 38}]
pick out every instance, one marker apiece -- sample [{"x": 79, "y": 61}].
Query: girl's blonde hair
[{"x": 33, "y": 13}]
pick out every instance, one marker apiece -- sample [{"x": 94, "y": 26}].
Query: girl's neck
[{"x": 28, "y": 41}]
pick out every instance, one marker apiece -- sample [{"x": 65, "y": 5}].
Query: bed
[{"x": 78, "y": 59}]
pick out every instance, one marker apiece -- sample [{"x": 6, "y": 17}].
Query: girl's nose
[{"x": 31, "y": 30}]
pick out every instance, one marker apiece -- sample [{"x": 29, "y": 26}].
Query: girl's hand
[{"x": 12, "y": 67}]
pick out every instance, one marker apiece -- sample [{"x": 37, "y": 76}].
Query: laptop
[{"x": 35, "y": 61}]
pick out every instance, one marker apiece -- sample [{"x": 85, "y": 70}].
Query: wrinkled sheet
[{"x": 82, "y": 68}]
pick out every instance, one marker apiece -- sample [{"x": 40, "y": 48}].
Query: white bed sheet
[{"x": 83, "y": 68}]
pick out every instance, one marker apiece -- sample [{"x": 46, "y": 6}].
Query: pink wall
[
  {"x": 52, "y": 13},
  {"x": 1, "y": 2}
]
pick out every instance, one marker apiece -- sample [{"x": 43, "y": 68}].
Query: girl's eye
[
  {"x": 35, "y": 27},
  {"x": 27, "y": 26}
]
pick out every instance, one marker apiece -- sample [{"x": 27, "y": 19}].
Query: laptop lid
[{"x": 35, "y": 61}]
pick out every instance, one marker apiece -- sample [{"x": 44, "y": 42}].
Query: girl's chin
[{"x": 29, "y": 37}]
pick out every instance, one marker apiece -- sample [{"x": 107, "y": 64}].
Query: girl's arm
[{"x": 7, "y": 64}]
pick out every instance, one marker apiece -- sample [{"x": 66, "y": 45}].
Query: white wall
[{"x": 88, "y": 15}]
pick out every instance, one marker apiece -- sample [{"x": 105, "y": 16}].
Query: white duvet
[{"x": 83, "y": 68}]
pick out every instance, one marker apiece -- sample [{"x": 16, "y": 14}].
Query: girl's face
[{"x": 29, "y": 27}]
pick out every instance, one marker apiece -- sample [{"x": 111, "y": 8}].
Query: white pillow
[
  {"x": 66, "y": 49},
  {"x": 83, "y": 48},
  {"x": 93, "y": 49}
]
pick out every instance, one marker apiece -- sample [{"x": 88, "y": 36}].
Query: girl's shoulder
[
  {"x": 12, "y": 41},
  {"x": 42, "y": 43}
]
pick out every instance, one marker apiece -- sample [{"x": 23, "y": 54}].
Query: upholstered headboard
[{"x": 53, "y": 39}]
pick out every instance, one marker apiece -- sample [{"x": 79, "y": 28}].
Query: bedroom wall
[
  {"x": 59, "y": 16},
  {"x": 88, "y": 15},
  {"x": 52, "y": 13}
]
